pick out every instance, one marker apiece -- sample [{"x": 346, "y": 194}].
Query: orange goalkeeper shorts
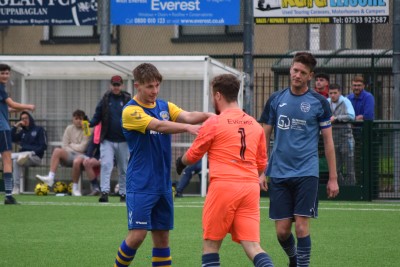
[{"x": 232, "y": 207}]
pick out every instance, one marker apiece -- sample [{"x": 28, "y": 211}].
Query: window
[
  {"x": 73, "y": 34},
  {"x": 363, "y": 36},
  {"x": 232, "y": 33}
]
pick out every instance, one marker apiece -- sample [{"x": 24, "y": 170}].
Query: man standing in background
[
  {"x": 342, "y": 115},
  {"x": 322, "y": 84},
  {"x": 363, "y": 102},
  {"x": 112, "y": 141}
]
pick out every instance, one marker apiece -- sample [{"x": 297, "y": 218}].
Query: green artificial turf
[{"x": 79, "y": 231}]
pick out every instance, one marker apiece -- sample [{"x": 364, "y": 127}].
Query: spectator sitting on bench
[
  {"x": 32, "y": 140},
  {"x": 73, "y": 145},
  {"x": 91, "y": 163}
]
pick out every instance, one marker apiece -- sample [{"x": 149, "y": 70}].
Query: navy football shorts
[
  {"x": 293, "y": 196},
  {"x": 5, "y": 141}
]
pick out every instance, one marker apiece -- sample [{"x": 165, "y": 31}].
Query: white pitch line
[
  {"x": 197, "y": 204},
  {"x": 83, "y": 204}
]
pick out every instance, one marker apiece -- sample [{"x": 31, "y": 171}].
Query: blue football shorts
[
  {"x": 150, "y": 211},
  {"x": 293, "y": 196},
  {"x": 5, "y": 141}
]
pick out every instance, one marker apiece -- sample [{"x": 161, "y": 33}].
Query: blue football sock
[
  {"x": 289, "y": 246},
  {"x": 262, "y": 260},
  {"x": 210, "y": 260},
  {"x": 303, "y": 251},
  {"x": 8, "y": 183}
]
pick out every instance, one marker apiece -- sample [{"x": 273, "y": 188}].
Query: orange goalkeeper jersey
[{"x": 236, "y": 147}]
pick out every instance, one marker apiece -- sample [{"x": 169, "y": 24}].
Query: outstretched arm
[
  {"x": 193, "y": 117},
  {"x": 169, "y": 127},
  {"x": 18, "y": 106}
]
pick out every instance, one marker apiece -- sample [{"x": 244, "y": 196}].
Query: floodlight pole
[
  {"x": 104, "y": 16},
  {"x": 248, "y": 35}
]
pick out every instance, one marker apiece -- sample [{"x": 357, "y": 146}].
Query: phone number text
[{"x": 359, "y": 20}]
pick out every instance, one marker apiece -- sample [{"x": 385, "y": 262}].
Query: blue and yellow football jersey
[{"x": 149, "y": 167}]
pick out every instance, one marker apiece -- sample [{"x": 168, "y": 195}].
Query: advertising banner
[
  {"x": 321, "y": 11},
  {"x": 172, "y": 12},
  {"x": 48, "y": 12}
]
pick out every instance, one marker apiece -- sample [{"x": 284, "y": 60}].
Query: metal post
[
  {"x": 248, "y": 68},
  {"x": 105, "y": 37},
  {"x": 396, "y": 92},
  {"x": 396, "y": 57}
]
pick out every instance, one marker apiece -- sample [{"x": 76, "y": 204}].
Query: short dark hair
[
  {"x": 305, "y": 58},
  {"x": 227, "y": 85},
  {"x": 146, "y": 73},
  {"x": 79, "y": 113},
  {"x": 358, "y": 78},
  {"x": 322, "y": 75},
  {"x": 335, "y": 86},
  {"x": 4, "y": 67}
]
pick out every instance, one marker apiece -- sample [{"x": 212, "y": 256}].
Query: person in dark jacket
[
  {"x": 112, "y": 141},
  {"x": 32, "y": 140}
]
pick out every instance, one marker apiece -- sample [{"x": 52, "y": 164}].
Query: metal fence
[
  {"x": 376, "y": 162},
  {"x": 377, "y": 143},
  {"x": 271, "y": 73},
  {"x": 376, "y": 148}
]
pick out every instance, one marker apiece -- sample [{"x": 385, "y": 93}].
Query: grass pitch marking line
[
  {"x": 190, "y": 205},
  {"x": 83, "y": 204},
  {"x": 352, "y": 204}
]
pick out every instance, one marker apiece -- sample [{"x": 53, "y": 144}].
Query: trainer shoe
[
  {"x": 45, "y": 179},
  {"x": 10, "y": 200},
  {"x": 15, "y": 190},
  {"x": 104, "y": 197},
  {"x": 122, "y": 199},
  {"x": 178, "y": 194},
  {"x": 76, "y": 193},
  {"x": 22, "y": 159}
]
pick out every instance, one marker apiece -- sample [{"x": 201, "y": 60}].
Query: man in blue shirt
[
  {"x": 362, "y": 101},
  {"x": 297, "y": 115}
]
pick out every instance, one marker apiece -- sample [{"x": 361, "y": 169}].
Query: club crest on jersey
[
  {"x": 305, "y": 107},
  {"x": 164, "y": 115}
]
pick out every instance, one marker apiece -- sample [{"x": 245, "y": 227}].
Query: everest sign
[{"x": 172, "y": 12}]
